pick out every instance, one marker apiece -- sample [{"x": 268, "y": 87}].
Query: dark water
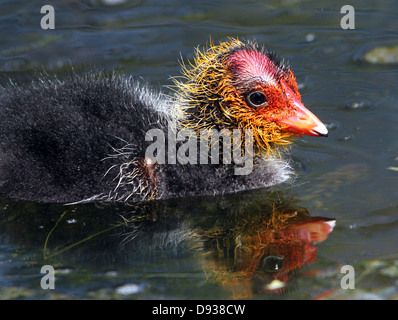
[{"x": 228, "y": 247}]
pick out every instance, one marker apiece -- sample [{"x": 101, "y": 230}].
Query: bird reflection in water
[
  {"x": 248, "y": 243},
  {"x": 260, "y": 253}
]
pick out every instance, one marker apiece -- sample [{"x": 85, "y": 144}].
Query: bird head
[{"x": 239, "y": 85}]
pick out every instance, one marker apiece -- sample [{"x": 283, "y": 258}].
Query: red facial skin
[{"x": 253, "y": 70}]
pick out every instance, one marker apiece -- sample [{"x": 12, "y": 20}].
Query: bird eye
[{"x": 257, "y": 99}]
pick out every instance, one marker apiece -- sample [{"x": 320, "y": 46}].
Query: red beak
[{"x": 303, "y": 121}]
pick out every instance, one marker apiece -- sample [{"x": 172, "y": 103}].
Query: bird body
[{"x": 86, "y": 138}]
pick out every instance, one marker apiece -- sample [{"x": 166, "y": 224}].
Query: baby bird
[{"x": 86, "y": 138}]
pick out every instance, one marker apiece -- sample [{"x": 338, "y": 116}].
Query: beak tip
[{"x": 320, "y": 130}]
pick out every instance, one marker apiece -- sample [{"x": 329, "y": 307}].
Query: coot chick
[{"x": 86, "y": 137}]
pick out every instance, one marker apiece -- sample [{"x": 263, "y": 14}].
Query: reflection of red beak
[
  {"x": 317, "y": 228},
  {"x": 302, "y": 121}
]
